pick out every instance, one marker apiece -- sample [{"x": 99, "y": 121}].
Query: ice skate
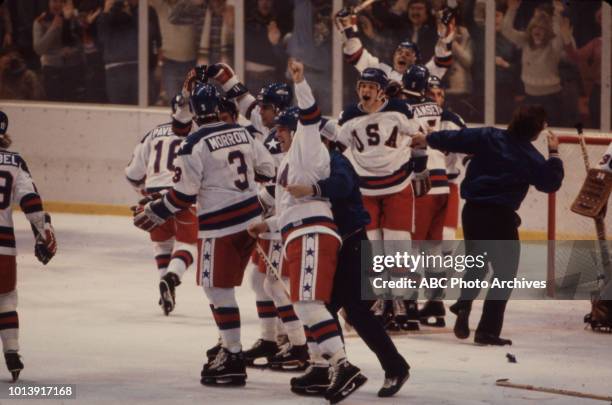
[
  {"x": 290, "y": 358},
  {"x": 314, "y": 382},
  {"x": 346, "y": 379},
  {"x": 227, "y": 369},
  {"x": 167, "y": 285},
  {"x": 412, "y": 316},
  {"x": 600, "y": 317},
  {"x": 432, "y": 314},
  {"x": 13, "y": 364},
  {"x": 260, "y": 353},
  {"x": 212, "y": 352}
]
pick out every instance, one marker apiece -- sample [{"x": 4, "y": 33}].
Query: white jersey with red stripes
[
  {"x": 152, "y": 165},
  {"x": 218, "y": 166},
  {"x": 16, "y": 187},
  {"x": 378, "y": 145}
]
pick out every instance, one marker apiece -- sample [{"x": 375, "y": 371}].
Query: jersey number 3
[{"x": 243, "y": 181}]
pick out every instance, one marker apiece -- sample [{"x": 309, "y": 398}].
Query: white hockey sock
[
  {"x": 266, "y": 310},
  {"x": 321, "y": 326},
  {"x": 399, "y": 241},
  {"x": 182, "y": 258},
  {"x": 316, "y": 356},
  {"x": 227, "y": 316},
  {"x": 291, "y": 323},
  {"x": 9, "y": 321},
  {"x": 163, "y": 254}
]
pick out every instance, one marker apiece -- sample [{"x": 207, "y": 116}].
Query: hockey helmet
[
  {"x": 410, "y": 45},
  {"x": 3, "y": 123},
  {"x": 434, "y": 82},
  {"x": 374, "y": 75},
  {"x": 415, "y": 80},
  {"x": 228, "y": 106},
  {"x": 279, "y": 95},
  {"x": 288, "y": 118},
  {"x": 204, "y": 100}
]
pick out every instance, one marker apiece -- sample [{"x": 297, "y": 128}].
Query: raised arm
[{"x": 519, "y": 38}]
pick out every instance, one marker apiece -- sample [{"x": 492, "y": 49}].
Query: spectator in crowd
[
  {"x": 17, "y": 82},
  {"x": 214, "y": 28},
  {"x": 310, "y": 43},
  {"x": 118, "y": 26},
  {"x": 542, "y": 51},
  {"x": 265, "y": 54},
  {"x": 421, "y": 28},
  {"x": 57, "y": 39},
  {"x": 472, "y": 13},
  {"x": 6, "y": 28},
  {"x": 178, "y": 51},
  {"x": 23, "y": 13},
  {"x": 507, "y": 60},
  {"x": 95, "y": 82},
  {"x": 459, "y": 77},
  {"x": 588, "y": 60}
]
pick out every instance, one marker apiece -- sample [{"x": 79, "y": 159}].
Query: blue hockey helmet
[
  {"x": 374, "y": 75},
  {"x": 204, "y": 100},
  {"x": 415, "y": 80},
  {"x": 288, "y": 118},
  {"x": 228, "y": 106},
  {"x": 3, "y": 123},
  {"x": 412, "y": 46},
  {"x": 279, "y": 95},
  {"x": 434, "y": 82}
]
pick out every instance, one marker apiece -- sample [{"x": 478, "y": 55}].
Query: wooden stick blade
[{"x": 505, "y": 382}]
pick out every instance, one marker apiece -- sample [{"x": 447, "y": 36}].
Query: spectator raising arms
[
  {"x": 542, "y": 51},
  {"x": 57, "y": 40}
]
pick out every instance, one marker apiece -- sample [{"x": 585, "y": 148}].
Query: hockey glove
[
  {"x": 346, "y": 23},
  {"x": 421, "y": 183},
  {"x": 45, "y": 245},
  {"x": 446, "y": 25},
  {"x": 393, "y": 89},
  {"x": 145, "y": 218}
]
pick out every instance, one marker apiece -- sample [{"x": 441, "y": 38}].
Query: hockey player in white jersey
[
  {"x": 377, "y": 133},
  {"x": 216, "y": 167},
  {"x": 17, "y": 187},
  {"x": 310, "y": 239},
  {"x": 407, "y": 52},
  {"x": 150, "y": 171}
]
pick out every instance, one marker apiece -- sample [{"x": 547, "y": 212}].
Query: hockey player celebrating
[
  {"x": 150, "y": 171},
  {"x": 216, "y": 168},
  {"x": 407, "y": 52},
  {"x": 377, "y": 133},
  {"x": 18, "y": 188},
  {"x": 310, "y": 240}
]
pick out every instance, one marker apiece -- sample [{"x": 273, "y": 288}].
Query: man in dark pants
[
  {"x": 504, "y": 164},
  {"x": 342, "y": 188}
]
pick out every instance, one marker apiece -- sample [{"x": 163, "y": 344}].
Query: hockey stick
[
  {"x": 504, "y": 382},
  {"x": 600, "y": 226},
  {"x": 269, "y": 264},
  {"x": 360, "y": 7}
]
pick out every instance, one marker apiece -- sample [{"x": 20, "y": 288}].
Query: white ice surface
[{"x": 91, "y": 318}]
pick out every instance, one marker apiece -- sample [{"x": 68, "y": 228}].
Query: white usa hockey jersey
[
  {"x": 153, "y": 161},
  {"x": 378, "y": 146},
  {"x": 306, "y": 162},
  {"x": 217, "y": 166},
  {"x": 16, "y": 187},
  {"x": 358, "y": 56}
]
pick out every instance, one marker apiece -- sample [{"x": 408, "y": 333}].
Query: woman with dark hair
[{"x": 504, "y": 164}]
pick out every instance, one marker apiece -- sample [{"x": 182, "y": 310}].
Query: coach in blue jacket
[{"x": 504, "y": 164}]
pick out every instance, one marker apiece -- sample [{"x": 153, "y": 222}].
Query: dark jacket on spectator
[
  {"x": 503, "y": 166},
  {"x": 118, "y": 32}
]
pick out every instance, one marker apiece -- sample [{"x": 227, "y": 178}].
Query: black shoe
[
  {"x": 260, "y": 353},
  {"x": 313, "y": 383},
  {"x": 213, "y": 351},
  {"x": 13, "y": 363},
  {"x": 346, "y": 379},
  {"x": 432, "y": 314},
  {"x": 462, "y": 326},
  {"x": 167, "y": 284},
  {"x": 227, "y": 369},
  {"x": 290, "y": 358},
  {"x": 483, "y": 338},
  {"x": 394, "y": 382}
]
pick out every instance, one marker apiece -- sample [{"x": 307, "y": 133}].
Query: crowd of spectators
[{"x": 87, "y": 50}]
